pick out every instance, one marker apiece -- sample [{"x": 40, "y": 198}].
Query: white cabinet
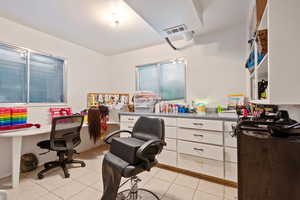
[
  {"x": 231, "y": 171},
  {"x": 167, "y": 157},
  {"x": 230, "y": 154},
  {"x": 279, "y": 67},
  {"x": 171, "y": 144},
  {"x": 170, "y": 132},
  {"x": 198, "y": 145},
  {"x": 230, "y": 140}
]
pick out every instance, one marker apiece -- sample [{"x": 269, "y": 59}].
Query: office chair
[
  {"x": 130, "y": 156},
  {"x": 64, "y": 137}
]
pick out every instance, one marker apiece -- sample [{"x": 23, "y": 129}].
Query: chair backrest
[
  {"x": 65, "y": 132},
  {"x": 149, "y": 128}
]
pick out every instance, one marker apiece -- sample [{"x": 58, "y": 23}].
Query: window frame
[
  {"x": 182, "y": 59},
  {"x": 65, "y": 76}
]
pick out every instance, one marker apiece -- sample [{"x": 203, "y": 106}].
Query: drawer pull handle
[
  {"x": 197, "y": 135},
  {"x": 130, "y": 126},
  {"x": 131, "y": 119},
  {"x": 198, "y": 124},
  {"x": 197, "y": 149}
]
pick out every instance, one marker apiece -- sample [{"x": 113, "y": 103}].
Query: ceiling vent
[
  {"x": 169, "y": 17},
  {"x": 176, "y": 30}
]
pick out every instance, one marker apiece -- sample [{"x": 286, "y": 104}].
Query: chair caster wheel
[
  {"x": 40, "y": 176},
  {"x": 83, "y": 165},
  {"x": 67, "y": 176}
]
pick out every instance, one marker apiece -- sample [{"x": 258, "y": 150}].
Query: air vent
[{"x": 176, "y": 29}]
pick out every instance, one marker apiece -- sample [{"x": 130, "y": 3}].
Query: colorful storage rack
[
  {"x": 18, "y": 116},
  {"x": 11, "y": 118},
  {"x": 5, "y": 117}
]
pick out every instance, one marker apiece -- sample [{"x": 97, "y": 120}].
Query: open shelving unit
[{"x": 261, "y": 68}]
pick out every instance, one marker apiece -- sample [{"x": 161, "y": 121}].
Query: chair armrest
[
  {"x": 141, "y": 151},
  {"x": 106, "y": 139}
]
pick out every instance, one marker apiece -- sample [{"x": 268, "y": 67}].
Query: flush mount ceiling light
[{"x": 118, "y": 13}]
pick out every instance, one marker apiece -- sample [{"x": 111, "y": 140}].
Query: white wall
[
  {"x": 87, "y": 72},
  {"x": 215, "y": 65}
]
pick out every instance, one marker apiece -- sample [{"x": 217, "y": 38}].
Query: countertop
[{"x": 209, "y": 116}]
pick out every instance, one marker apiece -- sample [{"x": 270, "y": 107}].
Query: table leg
[{"x": 16, "y": 159}]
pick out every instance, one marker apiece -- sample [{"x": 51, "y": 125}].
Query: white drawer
[
  {"x": 201, "y": 165},
  {"x": 228, "y": 126},
  {"x": 231, "y": 171},
  {"x": 171, "y": 144},
  {"x": 200, "y": 124},
  {"x": 126, "y": 126},
  {"x": 229, "y": 140},
  {"x": 230, "y": 154},
  {"x": 169, "y": 121},
  {"x": 204, "y": 136},
  {"x": 168, "y": 158},
  {"x": 201, "y": 150},
  {"x": 170, "y": 132},
  {"x": 128, "y": 118}
]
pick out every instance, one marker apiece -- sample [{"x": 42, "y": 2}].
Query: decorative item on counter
[
  {"x": 200, "y": 105},
  {"x": 220, "y": 109},
  {"x": 235, "y": 100}
]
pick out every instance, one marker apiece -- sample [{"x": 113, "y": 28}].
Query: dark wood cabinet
[{"x": 268, "y": 167}]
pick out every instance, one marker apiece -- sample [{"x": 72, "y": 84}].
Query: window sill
[{"x": 28, "y": 105}]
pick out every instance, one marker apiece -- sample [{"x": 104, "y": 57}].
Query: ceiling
[{"x": 90, "y": 23}]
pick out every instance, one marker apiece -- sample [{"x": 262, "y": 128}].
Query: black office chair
[
  {"x": 130, "y": 156},
  {"x": 64, "y": 137}
]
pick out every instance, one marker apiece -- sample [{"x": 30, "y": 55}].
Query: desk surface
[{"x": 35, "y": 131}]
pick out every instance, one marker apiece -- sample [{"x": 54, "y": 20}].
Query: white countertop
[{"x": 35, "y": 131}]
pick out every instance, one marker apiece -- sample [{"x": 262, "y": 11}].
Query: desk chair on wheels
[
  {"x": 131, "y": 156},
  {"x": 64, "y": 137}
]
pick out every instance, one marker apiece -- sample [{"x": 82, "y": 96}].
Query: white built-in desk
[{"x": 16, "y": 136}]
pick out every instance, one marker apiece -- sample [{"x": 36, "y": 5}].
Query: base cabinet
[
  {"x": 197, "y": 145},
  {"x": 168, "y": 158},
  {"x": 201, "y": 165},
  {"x": 231, "y": 171}
]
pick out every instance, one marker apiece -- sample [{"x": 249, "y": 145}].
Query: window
[
  {"x": 29, "y": 77},
  {"x": 166, "y": 79}
]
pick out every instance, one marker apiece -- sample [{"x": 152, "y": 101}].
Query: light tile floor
[{"x": 86, "y": 184}]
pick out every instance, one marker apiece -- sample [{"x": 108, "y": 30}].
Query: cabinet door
[
  {"x": 231, "y": 154},
  {"x": 197, "y": 164},
  {"x": 168, "y": 158},
  {"x": 171, "y": 132},
  {"x": 171, "y": 144},
  {"x": 231, "y": 171}
]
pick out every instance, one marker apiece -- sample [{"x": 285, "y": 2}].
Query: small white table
[{"x": 16, "y": 136}]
